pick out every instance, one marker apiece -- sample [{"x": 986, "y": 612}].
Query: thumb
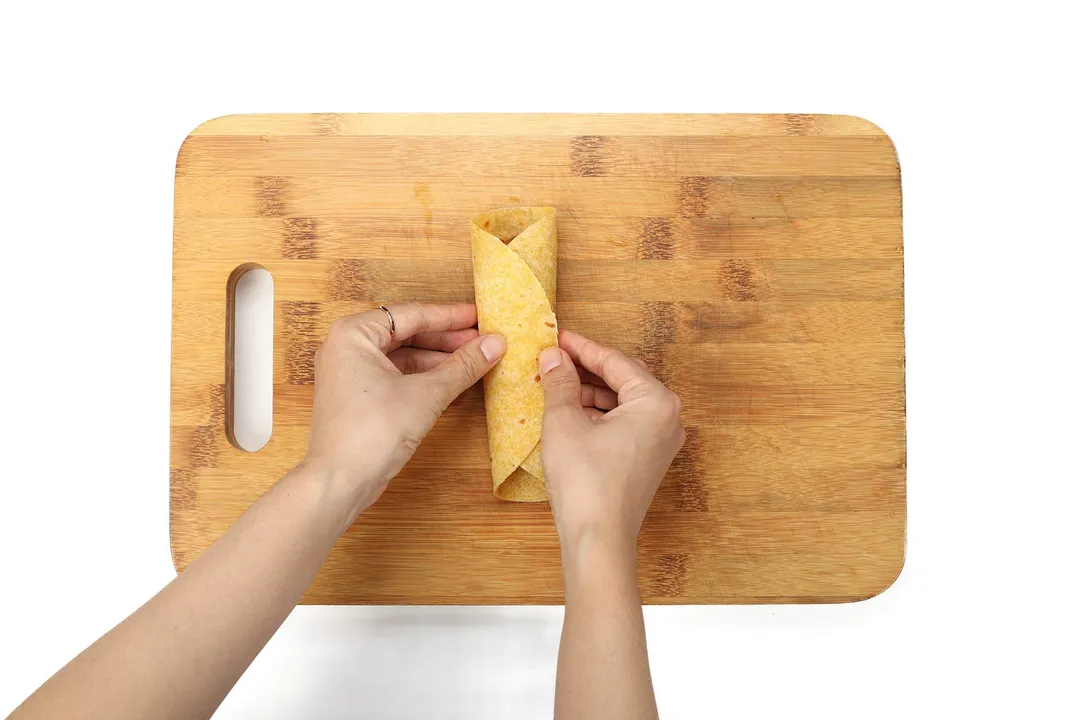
[
  {"x": 469, "y": 363},
  {"x": 561, "y": 383}
]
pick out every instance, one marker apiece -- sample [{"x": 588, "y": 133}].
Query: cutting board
[{"x": 755, "y": 262}]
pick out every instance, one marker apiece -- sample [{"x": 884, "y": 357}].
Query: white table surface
[{"x": 982, "y": 620}]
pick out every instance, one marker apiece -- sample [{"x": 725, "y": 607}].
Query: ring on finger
[{"x": 388, "y": 317}]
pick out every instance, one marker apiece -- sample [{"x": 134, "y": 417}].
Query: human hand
[
  {"x": 377, "y": 395},
  {"x": 602, "y": 468}
]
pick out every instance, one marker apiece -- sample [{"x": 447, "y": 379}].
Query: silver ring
[{"x": 388, "y": 317}]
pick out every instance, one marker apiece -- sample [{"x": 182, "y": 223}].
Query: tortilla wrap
[{"x": 514, "y": 261}]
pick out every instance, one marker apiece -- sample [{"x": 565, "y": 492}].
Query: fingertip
[
  {"x": 493, "y": 346},
  {"x": 550, "y": 358}
]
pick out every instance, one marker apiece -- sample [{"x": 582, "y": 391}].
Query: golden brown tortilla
[{"x": 514, "y": 261}]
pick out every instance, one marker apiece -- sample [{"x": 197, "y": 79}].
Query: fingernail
[
  {"x": 550, "y": 359},
  {"x": 493, "y": 346}
]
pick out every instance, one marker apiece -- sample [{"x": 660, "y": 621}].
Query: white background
[{"x": 97, "y": 100}]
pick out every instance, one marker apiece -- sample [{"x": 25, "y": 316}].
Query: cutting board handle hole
[{"x": 249, "y": 357}]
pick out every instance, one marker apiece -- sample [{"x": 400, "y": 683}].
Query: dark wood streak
[
  {"x": 183, "y": 508},
  {"x": 202, "y": 449},
  {"x": 181, "y": 493},
  {"x": 655, "y": 241},
  {"x": 588, "y": 156},
  {"x": 687, "y": 476},
  {"x": 672, "y": 572},
  {"x": 300, "y": 321},
  {"x": 660, "y": 318},
  {"x": 659, "y": 322},
  {"x": 217, "y": 404},
  {"x": 299, "y": 239},
  {"x": 300, "y": 362},
  {"x": 799, "y": 124},
  {"x": 738, "y": 280},
  {"x": 300, "y": 318},
  {"x": 684, "y": 488},
  {"x": 329, "y": 124},
  {"x": 350, "y": 280},
  {"x": 270, "y": 196},
  {"x": 693, "y": 196}
]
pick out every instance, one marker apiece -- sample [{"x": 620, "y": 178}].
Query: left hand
[{"x": 377, "y": 395}]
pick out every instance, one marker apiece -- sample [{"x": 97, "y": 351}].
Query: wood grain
[{"x": 755, "y": 262}]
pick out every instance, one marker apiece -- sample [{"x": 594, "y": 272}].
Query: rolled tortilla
[{"x": 514, "y": 263}]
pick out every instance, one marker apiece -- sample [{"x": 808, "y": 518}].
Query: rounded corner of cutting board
[
  {"x": 872, "y": 128},
  {"x": 892, "y": 575},
  {"x": 177, "y": 554}
]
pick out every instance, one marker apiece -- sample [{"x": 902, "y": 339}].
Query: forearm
[
  {"x": 179, "y": 654},
  {"x": 603, "y": 663}
]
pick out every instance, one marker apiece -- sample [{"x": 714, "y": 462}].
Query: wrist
[
  {"x": 344, "y": 493},
  {"x": 594, "y": 552}
]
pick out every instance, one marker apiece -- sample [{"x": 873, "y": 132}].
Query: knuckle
[
  {"x": 420, "y": 310},
  {"x": 674, "y": 401},
  {"x": 411, "y": 439},
  {"x": 375, "y": 332},
  {"x": 469, "y": 366},
  {"x": 670, "y": 407},
  {"x": 665, "y": 405},
  {"x": 605, "y": 362},
  {"x": 637, "y": 387},
  {"x": 336, "y": 331},
  {"x": 561, "y": 383},
  {"x": 336, "y": 337}
]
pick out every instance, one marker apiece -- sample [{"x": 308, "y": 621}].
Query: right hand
[{"x": 602, "y": 468}]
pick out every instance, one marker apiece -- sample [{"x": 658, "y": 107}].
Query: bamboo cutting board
[{"x": 754, "y": 262}]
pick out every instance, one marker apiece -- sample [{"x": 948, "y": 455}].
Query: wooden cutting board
[{"x": 754, "y": 261}]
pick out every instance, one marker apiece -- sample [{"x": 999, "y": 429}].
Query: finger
[
  {"x": 562, "y": 388},
  {"x": 409, "y": 320},
  {"x": 413, "y": 318},
  {"x": 460, "y": 371},
  {"x": 594, "y": 414},
  {"x": 410, "y": 360},
  {"x": 615, "y": 368},
  {"x": 602, "y": 398},
  {"x": 446, "y": 340},
  {"x": 591, "y": 378}
]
